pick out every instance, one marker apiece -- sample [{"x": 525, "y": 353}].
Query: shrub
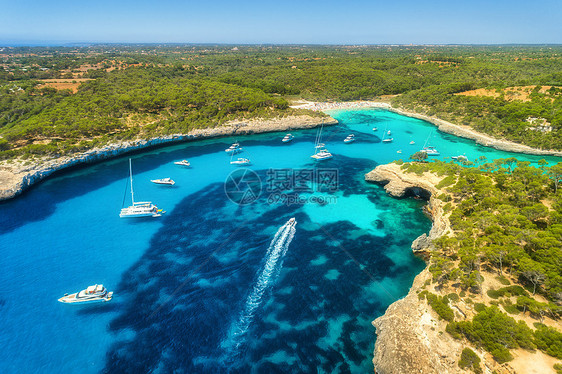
[
  {"x": 495, "y": 331},
  {"x": 548, "y": 340},
  {"x": 440, "y": 306},
  {"x": 470, "y": 360}
]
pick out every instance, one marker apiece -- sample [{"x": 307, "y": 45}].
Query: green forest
[
  {"x": 506, "y": 218},
  {"x": 140, "y": 91}
]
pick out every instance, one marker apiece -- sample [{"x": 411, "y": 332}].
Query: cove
[{"x": 182, "y": 281}]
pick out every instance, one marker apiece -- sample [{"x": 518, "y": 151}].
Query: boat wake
[{"x": 273, "y": 262}]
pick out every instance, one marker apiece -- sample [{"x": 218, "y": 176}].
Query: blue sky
[{"x": 289, "y": 21}]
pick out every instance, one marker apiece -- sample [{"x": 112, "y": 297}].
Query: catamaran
[
  {"x": 320, "y": 151},
  {"x": 92, "y": 294},
  {"x": 350, "y": 139},
  {"x": 429, "y": 150},
  {"x": 139, "y": 208},
  {"x": 288, "y": 138},
  {"x": 166, "y": 181}
]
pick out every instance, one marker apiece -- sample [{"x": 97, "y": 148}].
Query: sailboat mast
[{"x": 131, "y": 176}]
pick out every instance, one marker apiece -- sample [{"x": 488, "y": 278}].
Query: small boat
[
  {"x": 288, "y": 138},
  {"x": 349, "y": 139},
  {"x": 412, "y": 142},
  {"x": 182, "y": 163},
  {"x": 460, "y": 158},
  {"x": 399, "y": 151},
  {"x": 241, "y": 161},
  {"x": 166, "y": 181},
  {"x": 431, "y": 151},
  {"x": 388, "y": 133},
  {"x": 92, "y": 294},
  {"x": 375, "y": 129},
  {"x": 387, "y": 140},
  {"x": 139, "y": 208},
  {"x": 234, "y": 149}
]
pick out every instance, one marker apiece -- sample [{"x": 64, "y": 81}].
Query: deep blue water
[{"x": 206, "y": 287}]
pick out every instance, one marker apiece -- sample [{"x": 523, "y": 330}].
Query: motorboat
[
  {"x": 412, "y": 142},
  {"x": 388, "y": 133},
  {"x": 92, "y": 294},
  {"x": 430, "y": 151},
  {"x": 139, "y": 208},
  {"x": 234, "y": 149},
  {"x": 387, "y": 140},
  {"x": 288, "y": 138},
  {"x": 241, "y": 161},
  {"x": 350, "y": 139},
  {"x": 166, "y": 181},
  {"x": 459, "y": 158},
  {"x": 182, "y": 163},
  {"x": 375, "y": 129}
]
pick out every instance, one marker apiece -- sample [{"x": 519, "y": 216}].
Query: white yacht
[
  {"x": 460, "y": 158},
  {"x": 320, "y": 151},
  {"x": 182, "y": 163},
  {"x": 241, "y": 161},
  {"x": 288, "y": 138},
  {"x": 234, "y": 149},
  {"x": 166, "y": 181},
  {"x": 350, "y": 139},
  {"x": 430, "y": 151},
  {"x": 95, "y": 293},
  {"x": 139, "y": 208}
]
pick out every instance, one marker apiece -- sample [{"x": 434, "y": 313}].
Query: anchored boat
[
  {"x": 139, "y": 208},
  {"x": 92, "y": 294},
  {"x": 165, "y": 181}
]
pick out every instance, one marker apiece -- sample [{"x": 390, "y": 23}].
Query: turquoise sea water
[{"x": 212, "y": 286}]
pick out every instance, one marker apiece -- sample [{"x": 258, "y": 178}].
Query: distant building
[{"x": 539, "y": 124}]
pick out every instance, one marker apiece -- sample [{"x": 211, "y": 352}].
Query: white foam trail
[{"x": 274, "y": 261}]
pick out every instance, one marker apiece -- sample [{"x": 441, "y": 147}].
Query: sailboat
[
  {"x": 320, "y": 151},
  {"x": 139, "y": 208},
  {"x": 384, "y": 136},
  {"x": 429, "y": 150}
]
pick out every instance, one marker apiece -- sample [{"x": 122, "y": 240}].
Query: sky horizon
[{"x": 359, "y": 22}]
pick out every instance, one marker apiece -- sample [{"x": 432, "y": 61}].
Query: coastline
[
  {"x": 444, "y": 126},
  {"x": 408, "y": 338},
  {"x": 17, "y": 176}
]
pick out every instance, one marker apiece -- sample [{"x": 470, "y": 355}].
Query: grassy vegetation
[{"x": 149, "y": 90}]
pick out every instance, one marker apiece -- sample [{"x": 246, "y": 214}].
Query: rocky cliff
[{"x": 410, "y": 337}]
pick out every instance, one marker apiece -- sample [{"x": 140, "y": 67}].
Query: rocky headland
[
  {"x": 411, "y": 337},
  {"x": 18, "y": 175}
]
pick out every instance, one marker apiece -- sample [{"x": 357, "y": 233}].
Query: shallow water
[{"x": 206, "y": 287}]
